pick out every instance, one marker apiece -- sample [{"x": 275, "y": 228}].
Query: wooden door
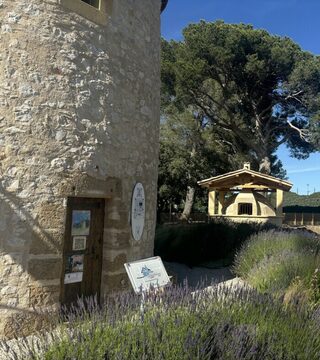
[{"x": 82, "y": 253}]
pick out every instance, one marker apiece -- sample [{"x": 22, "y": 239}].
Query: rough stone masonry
[{"x": 79, "y": 117}]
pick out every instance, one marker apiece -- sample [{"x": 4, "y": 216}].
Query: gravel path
[{"x": 197, "y": 276}]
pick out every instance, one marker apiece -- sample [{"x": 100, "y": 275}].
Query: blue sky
[{"x": 297, "y": 19}]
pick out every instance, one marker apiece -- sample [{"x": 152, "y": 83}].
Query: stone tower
[{"x": 79, "y": 122}]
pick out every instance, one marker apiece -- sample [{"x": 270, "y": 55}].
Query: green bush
[
  {"x": 272, "y": 261},
  {"x": 221, "y": 324},
  {"x": 194, "y": 244},
  {"x": 266, "y": 244},
  {"x": 277, "y": 273}
]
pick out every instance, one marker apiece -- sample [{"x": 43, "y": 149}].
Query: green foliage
[
  {"x": 257, "y": 90},
  {"x": 277, "y": 274},
  {"x": 188, "y": 152},
  {"x": 315, "y": 286},
  {"x": 267, "y": 244},
  {"x": 231, "y": 94},
  {"x": 220, "y": 324},
  {"x": 194, "y": 244},
  {"x": 315, "y": 131},
  {"x": 273, "y": 261}
]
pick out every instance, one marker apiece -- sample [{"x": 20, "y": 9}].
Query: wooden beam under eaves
[{"x": 252, "y": 187}]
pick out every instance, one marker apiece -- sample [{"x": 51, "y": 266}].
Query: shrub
[
  {"x": 277, "y": 273},
  {"x": 315, "y": 286},
  {"x": 194, "y": 244},
  {"x": 267, "y": 244},
  {"x": 283, "y": 263},
  {"x": 180, "y": 324}
]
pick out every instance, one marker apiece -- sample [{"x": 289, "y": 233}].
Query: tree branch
[
  {"x": 303, "y": 133},
  {"x": 294, "y": 96}
]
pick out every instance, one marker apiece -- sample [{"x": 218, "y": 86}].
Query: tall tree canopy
[
  {"x": 189, "y": 151},
  {"x": 256, "y": 89},
  {"x": 250, "y": 90}
]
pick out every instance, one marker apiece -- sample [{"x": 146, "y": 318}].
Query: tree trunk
[
  {"x": 265, "y": 165},
  {"x": 188, "y": 203}
]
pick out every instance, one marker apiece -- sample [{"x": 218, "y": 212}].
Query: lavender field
[{"x": 276, "y": 316}]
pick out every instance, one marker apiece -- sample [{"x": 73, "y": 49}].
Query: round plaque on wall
[{"x": 137, "y": 211}]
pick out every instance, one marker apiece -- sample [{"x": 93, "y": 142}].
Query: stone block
[
  {"x": 45, "y": 269},
  {"x": 26, "y": 322},
  {"x": 115, "y": 264},
  {"x": 115, "y": 283},
  {"x": 43, "y": 295},
  {"x": 50, "y": 215},
  {"x": 115, "y": 239},
  {"x": 117, "y": 220},
  {"x": 47, "y": 242}
]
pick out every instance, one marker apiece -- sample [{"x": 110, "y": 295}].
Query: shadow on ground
[{"x": 197, "y": 276}]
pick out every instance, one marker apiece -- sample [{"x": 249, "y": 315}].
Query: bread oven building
[
  {"x": 79, "y": 121},
  {"x": 242, "y": 196}
]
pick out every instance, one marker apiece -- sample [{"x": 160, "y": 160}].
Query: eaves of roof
[{"x": 257, "y": 176}]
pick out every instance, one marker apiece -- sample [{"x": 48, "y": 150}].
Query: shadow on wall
[
  {"x": 30, "y": 256},
  {"x": 18, "y": 322}
]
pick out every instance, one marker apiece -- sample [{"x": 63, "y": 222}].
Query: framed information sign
[{"x": 147, "y": 273}]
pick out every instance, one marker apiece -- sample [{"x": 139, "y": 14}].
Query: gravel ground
[{"x": 197, "y": 276}]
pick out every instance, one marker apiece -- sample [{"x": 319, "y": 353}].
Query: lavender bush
[
  {"x": 181, "y": 323},
  {"x": 267, "y": 244},
  {"x": 278, "y": 261}
]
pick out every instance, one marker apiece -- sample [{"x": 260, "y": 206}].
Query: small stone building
[
  {"x": 79, "y": 128},
  {"x": 244, "y": 195}
]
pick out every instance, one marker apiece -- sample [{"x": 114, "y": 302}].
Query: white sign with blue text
[{"x": 147, "y": 273}]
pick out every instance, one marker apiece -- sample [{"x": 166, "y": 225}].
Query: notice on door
[
  {"x": 73, "y": 277},
  {"x": 79, "y": 243},
  {"x": 80, "y": 222},
  {"x": 74, "y": 269},
  {"x": 74, "y": 263}
]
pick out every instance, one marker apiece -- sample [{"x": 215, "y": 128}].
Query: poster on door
[
  {"x": 74, "y": 263},
  {"x": 74, "y": 268},
  {"x": 80, "y": 222},
  {"x": 79, "y": 243}
]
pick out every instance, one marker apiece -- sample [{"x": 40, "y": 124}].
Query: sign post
[{"x": 146, "y": 275}]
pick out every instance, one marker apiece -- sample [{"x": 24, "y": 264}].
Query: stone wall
[{"x": 79, "y": 116}]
